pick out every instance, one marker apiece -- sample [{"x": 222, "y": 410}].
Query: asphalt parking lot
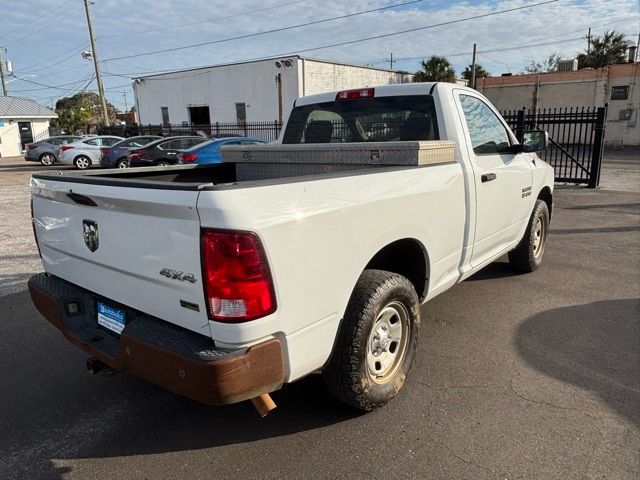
[{"x": 517, "y": 376}]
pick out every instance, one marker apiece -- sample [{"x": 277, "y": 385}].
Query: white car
[
  {"x": 222, "y": 282},
  {"x": 85, "y": 152}
]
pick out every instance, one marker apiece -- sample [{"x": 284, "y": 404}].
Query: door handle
[{"x": 487, "y": 177}]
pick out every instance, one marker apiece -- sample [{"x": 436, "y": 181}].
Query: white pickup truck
[{"x": 223, "y": 286}]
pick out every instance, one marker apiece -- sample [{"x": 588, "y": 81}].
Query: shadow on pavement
[
  {"x": 53, "y": 410},
  {"x": 495, "y": 270},
  {"x": 594, "y": 346}
]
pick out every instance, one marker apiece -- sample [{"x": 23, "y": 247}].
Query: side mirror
[{"x": 534, "y": 140}]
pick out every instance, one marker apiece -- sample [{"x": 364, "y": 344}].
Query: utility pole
[
  {"x": 124, "y": 94},
  {"x": 589, "y": 42},
  {"x": 473, "y": 67},
  {"x": 94, "y": 53},
  {"x": 4, "y": 82},
  {"x": 391, "y": 61}
]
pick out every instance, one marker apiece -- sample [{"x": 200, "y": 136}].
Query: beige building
[
  {"x": 615, "y": 85},
  {"x": 22, "y": 121}
]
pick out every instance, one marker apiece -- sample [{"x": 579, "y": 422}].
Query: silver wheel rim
[
  {"x": 82, "y": 163},
  {"x": 387, "y": 344},
  {"x": 47, "y": 159},
  {"x": 538, "y": 237},
  {"x": 123, "y": 164}
]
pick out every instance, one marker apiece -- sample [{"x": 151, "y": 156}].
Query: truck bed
[{"x": 268, "y": 163}]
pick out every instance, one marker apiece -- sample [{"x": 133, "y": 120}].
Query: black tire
[
  {"x": 163, "y": 163},
  {"x": 47, "y": 159},
  {"x": 348, "y": 375},
  {"x": 527, "y": 256},
  {"x": 122, "y": 163},
  {"x": 82, "y": 162}
]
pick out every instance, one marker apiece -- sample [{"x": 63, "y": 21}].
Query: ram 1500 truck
[{"x": 224, "y": 282}]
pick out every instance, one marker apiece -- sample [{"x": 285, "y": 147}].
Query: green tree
[
  {"x": 435, "y": 69},
  {"x": 480, "y": 72},
  {"x": 605, "y": 50},
  {"x": 75, "y": 113},
  {"x": 546, "y": 66}
]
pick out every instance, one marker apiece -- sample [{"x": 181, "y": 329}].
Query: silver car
[{"x": 86, "y": 152}]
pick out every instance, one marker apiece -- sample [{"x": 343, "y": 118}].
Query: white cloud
[{"x": 122, "y": 16}]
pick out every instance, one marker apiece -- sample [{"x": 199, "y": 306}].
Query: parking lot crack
[
  {"x": 549, "y": 404},
  {"x": 465, "y": 460}
]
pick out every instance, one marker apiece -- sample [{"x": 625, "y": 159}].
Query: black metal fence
[
  {"x": 267, "y": 131},
  {"x": 576, "y": 139}
]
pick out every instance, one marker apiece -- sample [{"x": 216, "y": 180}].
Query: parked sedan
[
  {"x": 116, "y": 156},
  {"x": 86, "y": 152},
  {"x": 162, "y": 152},
  {"x": 209, "y": 152},
  {"x": 46, "y": 151}
]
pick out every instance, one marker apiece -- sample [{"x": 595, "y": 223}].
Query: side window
[
  {"x": 192, "y": 142},
  {"x": 163, "y": 145},
  {"x": 55, "y": 141},
  {"x": 488, "y": 134},
  {"x": 175, "y": 144},
  {"x": 110, "y": 141},
  {"x": 96, "y": 142}
]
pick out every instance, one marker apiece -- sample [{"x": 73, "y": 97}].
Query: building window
[
  {"x": 620, "y": 92},
  {"x": 165, "y": 115},
  {"x": 241, "y": 112}
]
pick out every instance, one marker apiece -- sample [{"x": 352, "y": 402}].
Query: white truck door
[{"x": 502, "y": 179}]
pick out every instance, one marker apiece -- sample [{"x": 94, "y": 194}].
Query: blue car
[
  {"x": 115, "y": 156},
  {"x": 209, "y": 152}
]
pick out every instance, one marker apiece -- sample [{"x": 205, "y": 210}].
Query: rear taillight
[
  {"x": 187, "y": 157},
  {"x": 237, "y": 280},
  {"x": 33, "y": 225},
  {"x": 64, "y": 148},
  {"x": 353, "y": 94},
  {"x": 31, "y": 146},
  {"x": 104, "y": 151}
]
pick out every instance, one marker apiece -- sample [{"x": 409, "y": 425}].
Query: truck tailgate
[{"x": 115, "y": 241}]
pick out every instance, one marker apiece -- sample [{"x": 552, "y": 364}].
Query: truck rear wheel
[
  {"x": 527, "y": 256},
  {"x": 377, "y": 341}
]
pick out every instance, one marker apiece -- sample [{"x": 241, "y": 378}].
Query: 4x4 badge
[
  {"x": 90, "y": 234},
  {"x": 177, "y": 275}
]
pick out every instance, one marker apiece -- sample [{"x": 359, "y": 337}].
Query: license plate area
[{"x": 111, "y": 318}]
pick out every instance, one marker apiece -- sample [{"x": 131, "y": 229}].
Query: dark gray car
[{"x": 46, "y": 151}]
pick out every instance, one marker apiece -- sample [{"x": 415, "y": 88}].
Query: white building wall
[
  {"x": 219, "y": 88},
  {"x": 252, "y": 83},
  {"x": 10, "y": 145},
  {"x": 321, "y": 77}
]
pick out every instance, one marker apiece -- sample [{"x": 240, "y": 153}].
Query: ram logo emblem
[{"x": 90, "y": 234}]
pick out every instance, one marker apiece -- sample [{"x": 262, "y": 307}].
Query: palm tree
[
  {"x": 435, "y": 69},
  {"x": 606, "y": 50},
  {"x": 480, "y": 72}
]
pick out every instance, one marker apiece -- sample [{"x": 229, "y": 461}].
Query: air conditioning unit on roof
[{"x": 568, "y": 65}]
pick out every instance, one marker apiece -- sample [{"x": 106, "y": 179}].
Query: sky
[{"x": 44, "y": 39}]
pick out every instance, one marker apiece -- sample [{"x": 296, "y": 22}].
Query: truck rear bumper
[{"x": 179, "y": 360}]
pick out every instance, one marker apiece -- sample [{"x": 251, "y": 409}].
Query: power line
[
  {"x": 534, "y": 43},
  {"x": 75, "y": 50},
  {"x": 43, "y": 28},
  {"x": 282, "y": 29},
  {"x": 47, "y": 87},
  {"x": 170, "y": 27}
]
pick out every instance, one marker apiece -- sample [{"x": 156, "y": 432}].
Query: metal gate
[{"x": 576, "y": 140}]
